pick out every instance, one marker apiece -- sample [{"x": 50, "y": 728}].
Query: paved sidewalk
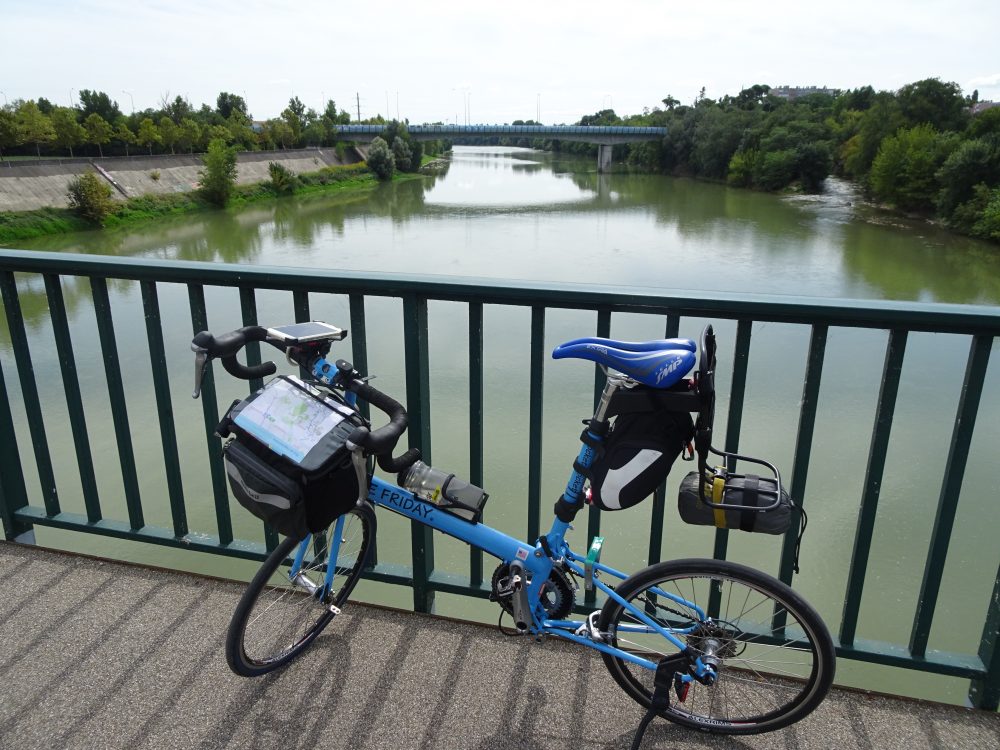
[{"x": 103, "y": 655}]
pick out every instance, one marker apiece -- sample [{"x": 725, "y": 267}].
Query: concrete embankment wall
[{"x": 25, "y": 186}]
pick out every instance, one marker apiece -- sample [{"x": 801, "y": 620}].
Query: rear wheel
[
  {"x": 277, "y": 618},
  {"x": 775, "y": 658}
]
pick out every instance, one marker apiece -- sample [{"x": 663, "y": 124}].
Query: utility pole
[{"x": 356, "y": 94}]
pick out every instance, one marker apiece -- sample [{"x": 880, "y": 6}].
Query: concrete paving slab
[{"x": 97, "y": 654}]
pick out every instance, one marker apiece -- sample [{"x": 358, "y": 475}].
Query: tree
[
  {"x": 669, "y": 102},
  {"x": 972, "y": 163},
  {"x": 148, "y": 134},
  {"x": 99, "y": 103},
  {"x": 292, "y": 115},
  {"x": 9, "y": 134},
  {"x": 930, "y": 101},
  {"x": 124, "y": 134},
  {"x": 98, "y": 131},
  {"x": 279, "y": 132},
  {"x": 283, "y": 182},
  {"x": 68, "y": 132},
  {"x": 219, "y": 175},
  {"x": 169, "y": 132},
  {"x": 189, "y": 134},
  {"x": 178, "y": 109},
  {"x": 380, "y": 159},
  {"x": 90, "y": 197},
  {"x": 33, "y": 126},
  {"x": 903, "y": 173},
  {"x": 401, "y": 154},
  {"x": 240, "y": 131},
  {"x": 227, "y": 103}
]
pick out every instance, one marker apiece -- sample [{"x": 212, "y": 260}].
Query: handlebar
[{"x": 380, "y": 442}]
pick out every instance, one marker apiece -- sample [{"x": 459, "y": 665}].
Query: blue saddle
[{"x": 658, "y": 364}]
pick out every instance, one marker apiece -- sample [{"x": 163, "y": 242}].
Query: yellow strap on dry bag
[{"x": 718, "y": 487}]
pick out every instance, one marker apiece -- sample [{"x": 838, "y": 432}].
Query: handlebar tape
[
  {"x": 226, "y": 346},
  {"x": 246, "y": 372},
  {"x": 383, "y": 440}
]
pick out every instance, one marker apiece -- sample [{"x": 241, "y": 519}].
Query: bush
[
  {"x": 381, "y": 160},
  {"x": 219, "y": 174},
  {"x": 402, "y": 154},
  {"x": 90, "y": 198},
  {"x": 155, "y": 175},
  {"x": 776, "y": 169},
  {"x": 283, "y": 182}
]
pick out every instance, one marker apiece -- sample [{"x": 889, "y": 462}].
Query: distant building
[
  {"x": 794, "y": 92},
  {"x": 982, "y": 107}
]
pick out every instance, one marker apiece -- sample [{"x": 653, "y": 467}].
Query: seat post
[{"x": 612, "y": 385}]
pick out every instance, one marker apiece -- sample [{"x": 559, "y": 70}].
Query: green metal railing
[{"x": 20, "y": 513}]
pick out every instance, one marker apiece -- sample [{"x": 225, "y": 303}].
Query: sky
[{"x": 482, "y": 62}]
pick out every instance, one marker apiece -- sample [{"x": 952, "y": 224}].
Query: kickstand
[{"x": 660, "y": 700}]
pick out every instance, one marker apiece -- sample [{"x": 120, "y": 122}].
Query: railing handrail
[{"x": 882, "y": 314}]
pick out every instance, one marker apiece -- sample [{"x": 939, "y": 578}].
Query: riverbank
[{"x": 23, "y": 225}]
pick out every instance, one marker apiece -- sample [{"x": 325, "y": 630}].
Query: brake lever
[{"x": 200, "y": 365}]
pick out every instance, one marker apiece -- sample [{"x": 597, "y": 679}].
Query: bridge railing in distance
[{"x": 46, "y": 273}]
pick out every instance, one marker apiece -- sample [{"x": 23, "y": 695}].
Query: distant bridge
[{"x": 605, "y": 136}]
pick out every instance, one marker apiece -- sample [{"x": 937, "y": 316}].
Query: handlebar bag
[
  {"x": 636, "y": 456},
  {"x": 735, "y": 490},
  {"x": 287, "y": 461}
]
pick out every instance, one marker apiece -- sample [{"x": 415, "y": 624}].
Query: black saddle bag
[
  {"x": 287, "y": 461},
  {"x": 637, "y": 456}
]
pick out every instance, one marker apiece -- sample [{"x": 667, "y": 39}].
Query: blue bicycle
[{"x": 704, "y": 643}]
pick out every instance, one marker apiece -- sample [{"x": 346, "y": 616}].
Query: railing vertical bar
[
  {"x": 116, "y": 396},
  {"x": 74, "y": 398},
  {"x": 536, "y": 372},
  {"x": 300, "y": 300},
  {"x": 734, "y": 421},
  {"x": 658, "y": 513},
  {"x": 877, "y": 451},
  {"x": 600, "y": 379},
  {"x": 951, "y": 488},
  {"x": 359, "y": 358},
  {"x": 29, "y": 392},
  {"x": 210, "y": 409},
  {"x": 803, "y": 443},
  {"x": 248, "y": 310},
  {"x": 164, "y": 408},
  {"x": 13, "y": 493},
  {"x": 359, "y": 341},
  {"x": 419, "y": 432},
  {"x": 475, "y": 422}
]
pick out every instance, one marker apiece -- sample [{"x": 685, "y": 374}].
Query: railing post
[
  {"x": 600, "y": 380},
  {"x": 658, "y": 512},
  {"x": 476, "y": 422},
  {"x": 418, "y": 406}
]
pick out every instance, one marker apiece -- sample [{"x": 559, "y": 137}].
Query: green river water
[{"x": 519, "y": 214}]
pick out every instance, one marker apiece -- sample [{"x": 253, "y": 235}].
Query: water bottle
[{"x": 444, "y": 490}]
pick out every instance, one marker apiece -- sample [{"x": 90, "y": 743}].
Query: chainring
[{"x": 558, "y": 595}]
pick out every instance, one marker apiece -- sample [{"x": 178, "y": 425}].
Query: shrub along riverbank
[{"x": 23, "y": 225}]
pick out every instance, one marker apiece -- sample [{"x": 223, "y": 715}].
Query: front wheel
[
  {"x": 278, "y": 616},
  {"x": 775, "y": 658}
]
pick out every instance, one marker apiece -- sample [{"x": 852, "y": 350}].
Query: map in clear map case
[{"x": 287, "y": 419}]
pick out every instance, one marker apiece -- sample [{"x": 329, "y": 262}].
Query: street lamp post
[
  {"x": 130, "y": 97},
  {"x": 71, "y": 91},
  {"x": 5, "y": 102}
]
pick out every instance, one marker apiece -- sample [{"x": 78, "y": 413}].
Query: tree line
[
  {"x": 39, "y": 126},
  {"x": 919, "y": 150}
]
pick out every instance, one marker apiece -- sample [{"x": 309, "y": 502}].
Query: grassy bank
[{"x": 23, "y": 225}]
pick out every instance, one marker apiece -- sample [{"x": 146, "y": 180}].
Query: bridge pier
[{"x": 604, "y": 157}]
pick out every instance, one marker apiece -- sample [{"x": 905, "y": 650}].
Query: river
[{"x": 519, "y": 214}]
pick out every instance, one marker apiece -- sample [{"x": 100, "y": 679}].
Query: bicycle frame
[{"x": 533, "y": 557}]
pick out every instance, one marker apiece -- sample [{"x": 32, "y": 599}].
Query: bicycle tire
[
  {"x": 776, "y": 693},
  {"x": 274, "y": 621}
]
